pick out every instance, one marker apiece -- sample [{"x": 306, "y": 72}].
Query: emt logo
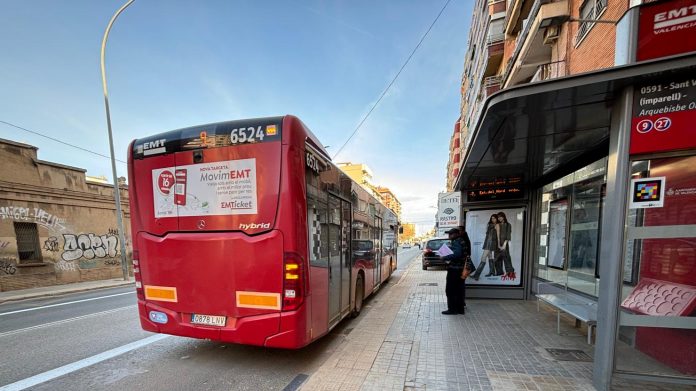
[{"x": 675, "y": 19}]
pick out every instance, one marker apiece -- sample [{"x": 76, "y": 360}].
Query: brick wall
[
  {"x": 72, "y": 221},
  {"x": 596, "y": 49}
]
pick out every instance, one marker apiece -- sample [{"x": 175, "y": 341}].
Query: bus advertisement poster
[{"x": 216, "y": 188}]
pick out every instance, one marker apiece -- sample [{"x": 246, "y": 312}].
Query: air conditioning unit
[{"x": 551, "y": 35}]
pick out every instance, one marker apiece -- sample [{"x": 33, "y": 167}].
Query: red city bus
[{"x": 246, "y": 232}]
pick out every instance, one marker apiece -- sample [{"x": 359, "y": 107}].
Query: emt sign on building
[
  {"x": 666, "y": 28},
  {"x": 448, "y": 210}
]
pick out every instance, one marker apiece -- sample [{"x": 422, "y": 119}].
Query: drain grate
[
  {"x": 428, "y": 284},
  {"x": 569, "y": 355}
]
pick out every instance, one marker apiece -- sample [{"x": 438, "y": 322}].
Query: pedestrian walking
[{"x": 454, "y": 288}]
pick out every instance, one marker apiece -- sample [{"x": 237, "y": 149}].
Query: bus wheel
[{"x": 359, "y": 294}]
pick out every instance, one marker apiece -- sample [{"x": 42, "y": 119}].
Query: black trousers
[{"x": 455, "y": 289}]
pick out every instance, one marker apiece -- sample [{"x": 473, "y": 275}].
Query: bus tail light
[
  {"x": 294, "y": 282},
  {"x": 136, "y": 274}
]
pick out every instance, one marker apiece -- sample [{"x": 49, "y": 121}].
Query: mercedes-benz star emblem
[{"x": 201, "y": 224}]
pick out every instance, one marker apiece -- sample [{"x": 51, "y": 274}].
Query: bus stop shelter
[{"x": 542, "y": 133}]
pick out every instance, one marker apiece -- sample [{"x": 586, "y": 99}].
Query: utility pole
[{"x": 117, "y": 191}]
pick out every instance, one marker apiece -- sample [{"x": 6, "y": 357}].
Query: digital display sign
[
  {"x": 497, "y": 193},
  {"x": 495, "y": 188}
]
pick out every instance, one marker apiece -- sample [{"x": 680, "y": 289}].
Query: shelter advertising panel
[
  {"x": 558, "y": 225},
  {"x": 496, "y": 245}
]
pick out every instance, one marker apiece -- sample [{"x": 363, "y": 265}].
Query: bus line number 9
[{"x": 246, "y": 135}]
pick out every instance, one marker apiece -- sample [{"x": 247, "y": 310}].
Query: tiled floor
[{"x": 403, "y": 342}]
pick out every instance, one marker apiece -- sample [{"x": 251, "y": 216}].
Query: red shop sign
[
  {"x": 666, "y": 28},
  {"x": 664, "y": 116}
]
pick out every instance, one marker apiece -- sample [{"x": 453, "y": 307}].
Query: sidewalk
[
  {"x": 402, "y": 342},
  {"x": 56, "y": 290}
]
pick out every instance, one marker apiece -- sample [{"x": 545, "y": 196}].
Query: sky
[{"x": 172, "y": 64}]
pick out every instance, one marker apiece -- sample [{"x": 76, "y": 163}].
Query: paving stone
[{"x": 402, "y": 342}]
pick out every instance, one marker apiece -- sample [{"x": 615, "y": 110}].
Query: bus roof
[{"x": 218, "y": 134}]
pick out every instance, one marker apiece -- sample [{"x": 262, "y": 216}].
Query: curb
[{"x": 62, "y": 292}]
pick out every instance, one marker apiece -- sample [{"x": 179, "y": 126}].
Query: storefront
[{"x": 599, "y": 173}]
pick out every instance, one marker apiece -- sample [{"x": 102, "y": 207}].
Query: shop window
[{"x": 28, "y": 247}]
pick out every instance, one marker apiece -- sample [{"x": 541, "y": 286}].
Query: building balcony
[
  {"x": 551, "y": 70},
  {"x": 495, "y": 45},
  {"x": 496, "y": 6},
  {"x": 534, "y": 42},
  {"x": 491, "y": 84},
  {"x": 516, "y": 13}
]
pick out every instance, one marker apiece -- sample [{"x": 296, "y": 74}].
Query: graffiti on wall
[
  {"x": 65, "y": 266},
  {"x": 32, "y": 215},
  {"x": 6, "y": 266},
  {"x": 87, "y": 263},
  {"x": 112, "y": 262},
  {"x": 89, "y": 246},
  {"x": 51, "y": 244},
  {"x": 4, "y": 244}
]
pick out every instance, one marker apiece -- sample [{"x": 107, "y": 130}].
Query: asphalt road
[{"x": 93, "y": 341}]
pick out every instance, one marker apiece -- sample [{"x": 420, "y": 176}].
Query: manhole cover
[
  {"x": 428, "y": 284},
  {"x": 569, "y": 355}
]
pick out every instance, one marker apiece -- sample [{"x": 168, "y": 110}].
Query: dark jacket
[
  {"x": 505, "y": 232},
  {"x": 461, "y": 248},
  {"x": 491, "y": 241}
]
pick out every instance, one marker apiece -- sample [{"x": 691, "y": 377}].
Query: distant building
[
  {"x": 409, "y": 233},
  {"x": 362, "y": 174},
  {"x": 97, "y": 179},
  {"x": 389, "y": 199},
  {"x": 358, "y": 172},
  {"x": 56, "y": 225}
]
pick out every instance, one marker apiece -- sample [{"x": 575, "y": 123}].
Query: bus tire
[{"x": 359, "y": 295}]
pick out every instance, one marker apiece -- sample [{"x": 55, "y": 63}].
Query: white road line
[
  {"x": 77, "y": 365},
  {"x": 59, "y": 322},
  {"x": 61, "y": 304}
]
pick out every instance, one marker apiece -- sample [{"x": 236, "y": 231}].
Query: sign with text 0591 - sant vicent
[
  {"x": 664, "y": 115},
  {"x": 448, "y": 210},
  {"x": 666, "y": 28}
]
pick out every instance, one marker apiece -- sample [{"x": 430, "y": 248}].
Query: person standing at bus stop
[{"x": 454, "y": 288}]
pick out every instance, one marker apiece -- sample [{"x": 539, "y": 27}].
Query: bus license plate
[{"x": 209, "y": 320}]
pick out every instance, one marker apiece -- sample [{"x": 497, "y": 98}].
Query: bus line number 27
[{"x": 246, "y": 135}]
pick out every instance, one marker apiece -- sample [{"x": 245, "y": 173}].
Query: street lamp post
[{"x": 117, "y": 192}]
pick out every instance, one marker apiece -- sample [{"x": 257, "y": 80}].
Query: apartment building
[
  {"x": 389, "y": 200},
  {"x": 362, "y": 174},
  {"x": 513, "y": 42},
  {"x": 454, "y": 157}
]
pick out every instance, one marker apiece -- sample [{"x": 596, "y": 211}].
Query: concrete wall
[{"x": 76, "y": 222}]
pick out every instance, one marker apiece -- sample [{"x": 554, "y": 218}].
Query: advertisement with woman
[{"x": 496, "y": 246}]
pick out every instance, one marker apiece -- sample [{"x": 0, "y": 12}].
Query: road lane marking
[
  {"x": 77, "y": 365},
  {"x": 59, "y": 322},
  {"x": 61, "y": 304}
]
